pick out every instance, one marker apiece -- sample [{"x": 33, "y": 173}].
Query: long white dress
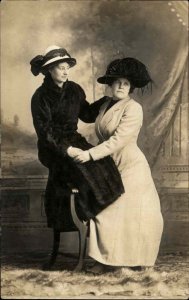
[{"x": 128, "y": 232}]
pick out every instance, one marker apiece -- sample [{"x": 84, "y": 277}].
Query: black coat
[{"x": 55, "y": 114}]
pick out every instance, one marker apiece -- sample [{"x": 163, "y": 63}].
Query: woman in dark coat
[{"x": 56, "y": 106}]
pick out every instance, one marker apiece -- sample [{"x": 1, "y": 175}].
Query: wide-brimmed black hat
[
  {"x": 53, "y": 55},
  {"x": 130, "y": 68}
]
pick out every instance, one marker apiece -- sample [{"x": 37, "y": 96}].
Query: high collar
[
  {"x": 50, "y": 85},
  {"x": 127, "y": 98}
]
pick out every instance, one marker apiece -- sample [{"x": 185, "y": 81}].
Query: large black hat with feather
[{"x": 130, "y": 68}]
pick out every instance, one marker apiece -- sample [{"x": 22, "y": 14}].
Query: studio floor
[{"x": 22, "y": 277}]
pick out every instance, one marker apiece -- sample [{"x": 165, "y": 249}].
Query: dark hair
[{"x": 111, "y": 81}]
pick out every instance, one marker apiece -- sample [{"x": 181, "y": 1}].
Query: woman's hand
[
  {"x": 83, "y": 157},
  {"x": 73, "y": 152}
]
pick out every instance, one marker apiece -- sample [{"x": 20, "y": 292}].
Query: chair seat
[{"x": 75, "y": 191}]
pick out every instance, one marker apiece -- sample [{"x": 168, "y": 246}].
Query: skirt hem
[{"x": 116, "y": 264}]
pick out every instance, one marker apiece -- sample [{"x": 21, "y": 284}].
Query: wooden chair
[{"x": 82, "y": 232}]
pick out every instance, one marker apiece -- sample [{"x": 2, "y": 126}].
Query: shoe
[
  {"x": 137, "y": 268},
  {"x": 97, "y": 269}
]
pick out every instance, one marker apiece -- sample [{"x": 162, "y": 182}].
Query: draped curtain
[
  {"x": 161, "y": 108},
  {"x": 155, "y": 32},
  {"x": 160, "y": 113}
]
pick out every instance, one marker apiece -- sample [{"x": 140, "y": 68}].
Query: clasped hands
[{"x": 78, "y": 155}]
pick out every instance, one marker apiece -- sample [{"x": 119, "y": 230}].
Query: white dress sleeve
[{"x": 130, "y": 124}]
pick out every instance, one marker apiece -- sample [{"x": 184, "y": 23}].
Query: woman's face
[
  {"x": 59, "y": 73},
  {"x": 120, "y": 88}
]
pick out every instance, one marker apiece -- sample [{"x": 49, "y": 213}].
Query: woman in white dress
[{"x": 128, "y": 232}]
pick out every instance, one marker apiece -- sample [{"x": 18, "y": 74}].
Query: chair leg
[
  {"x": 82, "y": 249},
  {"x": 56, "y": 243},
  {"x": 82, "y": 234}
]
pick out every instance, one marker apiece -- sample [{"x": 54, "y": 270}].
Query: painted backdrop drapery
[
  {"x": 162, "y": 44},
  {"x": 162, "y": 106},
  {"x": 160, "y": 113}
]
